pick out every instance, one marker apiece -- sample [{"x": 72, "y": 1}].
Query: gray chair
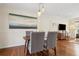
[
  {"x": 36, "y": 42},
  {"x": 27, "y": 39},
  {"x": 51, "y": 40}
]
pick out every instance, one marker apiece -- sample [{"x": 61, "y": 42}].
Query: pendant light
[{"x": 41, "y": 9}]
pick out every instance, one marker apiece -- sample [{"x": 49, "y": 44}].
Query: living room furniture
[
  {"x": 62, "y": 31},
  {"x": 61, "y": 36},
  {"x": 51, "y": 41},
  {"x": 36, "y": 42},
  {"x": 77, "y": 35},
  {"x": 27, "y": 39}
]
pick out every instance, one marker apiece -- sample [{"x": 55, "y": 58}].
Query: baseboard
[{"x": 11, "y": 45}]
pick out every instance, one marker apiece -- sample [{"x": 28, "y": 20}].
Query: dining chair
[
  {"x": 36, "y": 42},
  {"x": 51, "y": 41},
  {"x": 27, "y": 39}
]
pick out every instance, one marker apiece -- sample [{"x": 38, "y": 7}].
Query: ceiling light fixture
[
  {"x": 39, "y": 13},
  {"x": 41, "y": 9}
]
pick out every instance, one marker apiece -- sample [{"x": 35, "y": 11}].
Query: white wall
[
  {"x": 10, "y": 37},
  {"x": 16, "y": 35},
  {"x": 3, "y": 25}
]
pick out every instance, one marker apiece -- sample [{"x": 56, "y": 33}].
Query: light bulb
[{"x": 39, "y": 13}]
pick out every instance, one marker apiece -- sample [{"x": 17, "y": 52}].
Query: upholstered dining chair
[
  {"x": 36, "y": 42},
  {"x": 27, "y": 39},
  {"x": 51, "y": 41}
]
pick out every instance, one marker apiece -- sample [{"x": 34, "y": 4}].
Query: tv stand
[{"x": 62, "y": 35}]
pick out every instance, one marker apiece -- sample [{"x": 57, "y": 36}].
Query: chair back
[
  {"x": 28, "y": 33},
  {"x": 51, "y": 40},
  {"x": 36, "y": 42}
]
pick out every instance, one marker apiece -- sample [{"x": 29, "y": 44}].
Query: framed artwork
[{"x": 17, "y": 21}]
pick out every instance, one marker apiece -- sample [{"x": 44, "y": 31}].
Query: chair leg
[
  {"x": 47, "y": 52},
  {"x": 28, "y": 54},
  {"x": 55, "y": 51},
  {"x": 25, "y": 48}
]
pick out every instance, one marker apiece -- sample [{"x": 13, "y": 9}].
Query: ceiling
[{"x": 63, "y": 10}]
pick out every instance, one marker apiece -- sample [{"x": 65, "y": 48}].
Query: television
[{"x": 62, "y": 27}]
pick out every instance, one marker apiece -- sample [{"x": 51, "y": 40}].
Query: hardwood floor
[
  {"x": 64, "y": 48},
  {"x": 13, "y": 51}
]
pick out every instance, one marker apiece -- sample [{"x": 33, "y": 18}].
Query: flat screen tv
[{"x": 62, "y": 27}]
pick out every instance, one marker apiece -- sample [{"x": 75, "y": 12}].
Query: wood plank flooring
[{"x": 64, "y": 48}]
